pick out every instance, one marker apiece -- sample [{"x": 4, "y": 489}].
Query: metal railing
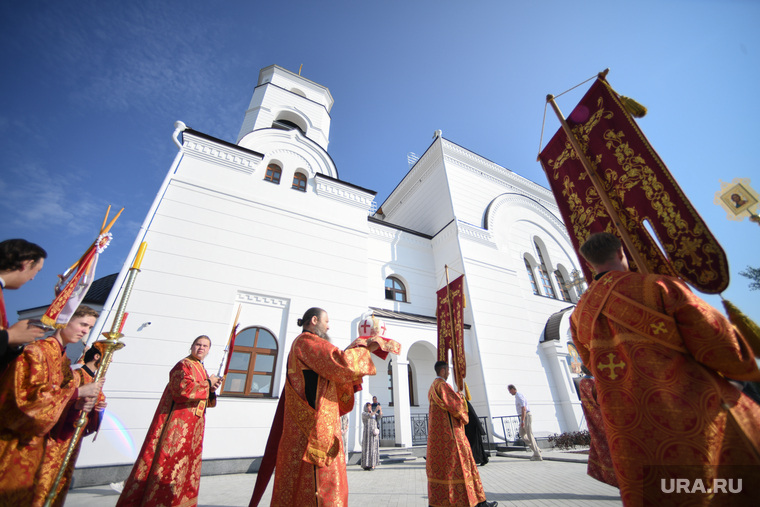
[
  {"x": 387, "y": 427},
  {"x": 509, "y": 425},
  {"x": 510, "y": 428}
]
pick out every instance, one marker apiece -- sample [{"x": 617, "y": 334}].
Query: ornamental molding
[
  {"x": 391, "y": 235},
  {"x": 284, "y": 154},
  {"x": 476, "y": 233},
  {"x": 516, "y": 200},
  {"x": 349, "y": 195},
  {"x": 495, "y": 172},
  {"x": 261, "y": 299},
  {"x": 219, "y": 155}
]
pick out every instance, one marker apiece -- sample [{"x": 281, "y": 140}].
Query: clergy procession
[{"x": 665, "y": 395}]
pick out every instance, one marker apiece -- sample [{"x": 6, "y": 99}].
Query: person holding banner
[
  {"x": 168, "y": 469},
  {"x": 453, "y": 477},
  {"x": 34, "y": 391},
  {"x": 20, "y": 261},
  {"x": 660, "y": 357}
]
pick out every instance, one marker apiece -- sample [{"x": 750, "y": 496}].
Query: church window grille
[
  {"x": 562, "y": 285},
  {"x": 299, "y": 182},
  {"x": 252, "y": 365},
  {"x": 274, "y": 172},
  {"x": 545, "y": 280},
  {"x": 531, "y": 277},
  {"x": 395, "y": 290}
]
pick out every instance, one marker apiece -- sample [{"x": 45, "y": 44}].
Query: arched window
[
  {"x": 273, "y": 173},
  {"x": 299, "y": 182},
  {"x": 531, "y": 277},
  {"x": 394, "y": 289},
  {"x": 562, "y": 285},
  {"x": 252, "y": 364},
  {"x": 545, "y": 281}
]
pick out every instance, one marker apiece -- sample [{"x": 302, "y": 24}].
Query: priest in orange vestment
[
  {"x": 34, "y": 391},
  {"x": 453, "y": 477},
  {"x": 310, "y": 468},
  {"x": 168, "y": 470},
  {"x": 660, "y": 357},
  {"x": 58, "y": 440}
]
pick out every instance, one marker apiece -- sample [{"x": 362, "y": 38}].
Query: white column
[
  {"x": 401, "y": 409},
  {"x": 565, "y": 389}
]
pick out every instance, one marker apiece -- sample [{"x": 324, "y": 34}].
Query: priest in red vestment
[
  {"x": 310, "y": 465},
  {"x": 34, "y": 391},
  {"x": 661, "y": 357},
  {"x": 453, "y": 478},
  {"x": 168, "y": 470},
  {"x": 58, "y": 440}
]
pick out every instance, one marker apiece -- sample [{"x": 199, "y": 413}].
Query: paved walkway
[{"x": 512, "y": 479}]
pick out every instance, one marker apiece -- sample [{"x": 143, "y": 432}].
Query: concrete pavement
[{"x": 510, "y": 478}]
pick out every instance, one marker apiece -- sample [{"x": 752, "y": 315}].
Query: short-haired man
[
  {"x": 659, "y": 354},
  {"x": 34, "y": 391},
  {"x": 453, "y": 477},
  {"x": 20, "y": 261},
  {"x": 526, "y": 422}
]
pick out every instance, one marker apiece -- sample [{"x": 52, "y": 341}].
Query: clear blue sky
[{"x": 91, "y": 89}]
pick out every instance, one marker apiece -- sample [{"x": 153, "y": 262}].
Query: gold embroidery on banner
[{"x": 690, "y": 251}]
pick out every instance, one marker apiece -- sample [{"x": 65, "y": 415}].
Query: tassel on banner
[
  {"x": 633, "y": 107},
  {"x": 746, "y": 326}
]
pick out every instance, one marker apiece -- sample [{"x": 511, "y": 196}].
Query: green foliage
[
  {"x": 754, "y": 275},
  {"x": 570, "y": 440}
]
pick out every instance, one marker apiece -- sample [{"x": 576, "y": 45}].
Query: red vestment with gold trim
[
  {"x": 658, "y": 353},
  {"x": 34, "y": 391},
  {"x": 168, "y": 470},
  {"x": 57, "y": 444},
  {"x": 453, "y": 477},
  {"x": 599, "y": 459},
  {"x": 311, "y": 464}
]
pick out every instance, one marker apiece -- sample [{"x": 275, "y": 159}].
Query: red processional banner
[
  {"x": 641, "y": 190},
  {"x": 450, "y": 318}
]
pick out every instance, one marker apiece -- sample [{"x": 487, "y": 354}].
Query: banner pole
[{"x": 624, "y": 236}]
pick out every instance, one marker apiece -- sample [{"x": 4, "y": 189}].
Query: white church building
[{"x": 265, "y": 224}]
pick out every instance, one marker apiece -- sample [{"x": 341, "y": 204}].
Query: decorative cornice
[
  {"x": 496, "y": 173},
  {"x": 391, "y": 235},
  {"x": 260, "y": 299},
  {"x": 333, "y": 189},
  {"x": 525, "y": 202},
  {"x": 475, "y": 233},
  {"x": 219, "y": 155},
  {"x": 277, "y": 154}
]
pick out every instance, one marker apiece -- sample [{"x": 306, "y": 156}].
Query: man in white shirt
[{"x": 526, "y": 426}]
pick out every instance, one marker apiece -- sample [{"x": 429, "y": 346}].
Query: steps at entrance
[{"x": 391, "y": 455}]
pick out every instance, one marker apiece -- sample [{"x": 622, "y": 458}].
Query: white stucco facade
[{"x": 221, "y": 236}]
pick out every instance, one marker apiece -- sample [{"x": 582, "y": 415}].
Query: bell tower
[{"x": 285, "y": 100}]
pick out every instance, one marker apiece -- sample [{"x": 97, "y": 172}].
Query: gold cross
[
  {"x": 658, "y": 328},
  {"x": 611, "y": 366}
]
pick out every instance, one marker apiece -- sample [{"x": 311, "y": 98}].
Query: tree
[{"x": 754, "y": 275}]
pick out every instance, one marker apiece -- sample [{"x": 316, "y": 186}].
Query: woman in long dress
[{"x": 370, "y": 439}]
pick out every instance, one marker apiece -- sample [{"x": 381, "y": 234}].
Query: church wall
[{"x": 208, "y": 243}]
